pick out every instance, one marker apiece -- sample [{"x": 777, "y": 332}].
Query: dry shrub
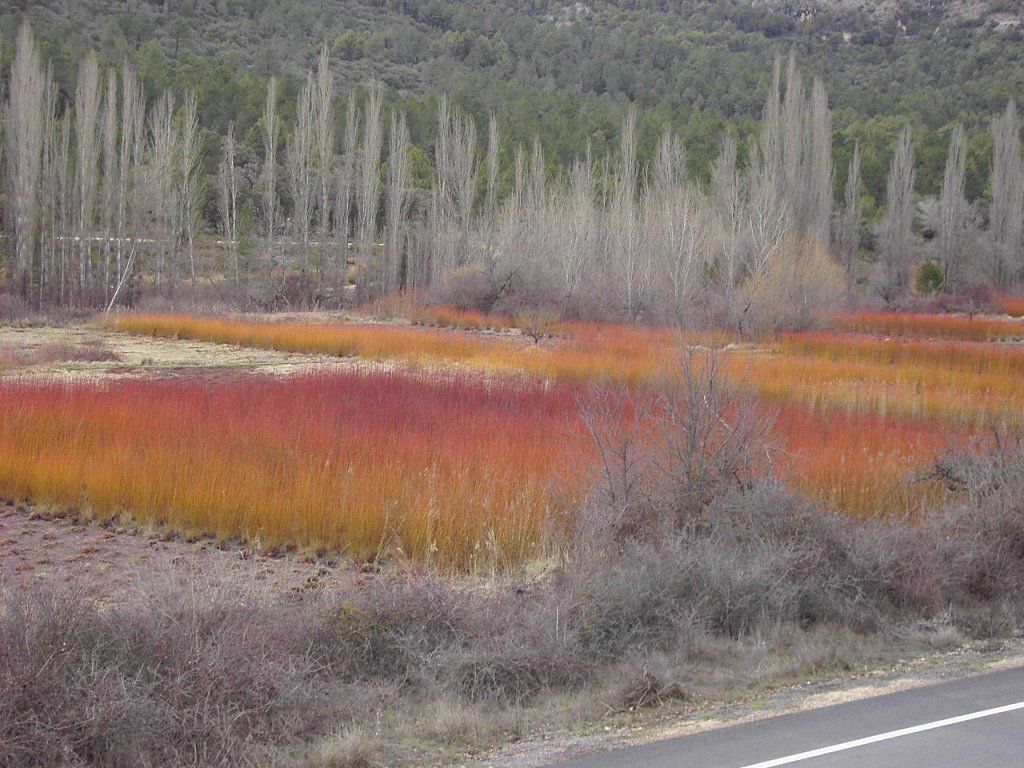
[
  {"x": 479, "y": 646},
  {"x": 199, "y": 678},
  {"x": 647, "y": 682},
  {"x": 88, "y": 351},
  {"x": 980, "y": 535},
  {"x": 186, "y": 680},
  {"x": 660, "y": 458},
  {"x": 799, "y": 286},
  {"x": 351, "y": 748},
  {"x": 469, "y": 287}
]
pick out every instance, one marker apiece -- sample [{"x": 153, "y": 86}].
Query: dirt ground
[
  {"x": 117, "y": 565},
  {"x": 58, "y": 352}
]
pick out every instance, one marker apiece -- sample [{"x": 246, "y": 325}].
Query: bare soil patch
[
  {"x": 32, "y": 352},
  {"x": 116, "y": 565}
]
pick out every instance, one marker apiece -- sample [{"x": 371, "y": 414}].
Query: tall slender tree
[
  {"x": 227, "y": 177},
  {"x": 625, "y": 225},
  {"x": 1006, "y": 213},
  {"x": 188, "y": 177},
  {"x": 299, "y": 161},
  {"x": 848, "y": 235},
  {"x": 111, "y": 157},
  {"x": 324, "y": 115},
  {"x": 271, "y": 131},
  {"x": 162, "y": 189},
  {"x": 953, "y": 210},
  {"x": 87, "y": 108},
  {"x": 369, "y": 181},
  {"x": 727, "y": 201},
  {"x": 397, "y": 202},
  {"x": 28, "y": 86},
  {"x": 897, "y": 234}
]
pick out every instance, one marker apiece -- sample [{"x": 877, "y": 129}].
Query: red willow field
[
  {"x": 468, "y": 469},
  {"x": 453, "y": 470}
]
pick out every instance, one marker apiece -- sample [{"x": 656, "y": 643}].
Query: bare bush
[
  {"x": 795, "y": 289},
  {"x": 661, "y": 459}
]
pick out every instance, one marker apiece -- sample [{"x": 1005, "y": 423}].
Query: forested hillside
[{"x": 566, "y": 70}]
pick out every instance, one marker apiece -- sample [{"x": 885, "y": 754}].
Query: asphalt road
[{"x": 977, "y": 722}]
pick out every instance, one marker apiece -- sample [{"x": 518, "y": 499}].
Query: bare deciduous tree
[
  {"x": 769, "y": 221},
  {"x": 228, "y": 182},
  {"x": 397, "y": 201},
  {"x": 87, "y": 107},
  {"x": 848, "y": 235},
  {"x": 24, "y": 152},
  {"x": 131, "y": 150},
  {"x": 679, "y": 237},
  {"x": 299, "y": 163},
  {"x": 897, "y": 236},
  {"x": 728, "y": 204},
  {"x": 111, "y": 157},
  {"x": 625, "y": 228},
  {"x": 188, "y": 177},
  {"x": 271, "y": 129},
  {"x": 581, "y": 218},
  {"x": 493, "y": 147},
  {"x": 369, "y": 181},
  {"x": 1006, "y": 214},
  {"x": 953, "y": 209},
  {"x": 324, "y": 146},
  {"x": 162, "y": 188}
]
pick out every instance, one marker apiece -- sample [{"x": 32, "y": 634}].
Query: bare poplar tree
[
  {"x": 769, "y": 221},
  {"x": 771, "y": 141},
  {"x": 271, "y": 129},
  {"x": 456, "y": 161},
  {"x": 897, "y": 236},
  {"x": 111, "y": 157},
  {"x": 493, "y": 147},
  {"x": 369, "y": 180},
  {"x": 397, "y": 201},
  {"x": 228, "y": 187},
  {"x": 65, "y": 202},
  {"x": 161, "y": 183},
  {"x": 87, "y": 107},
  {"x": 24, "y": 152},
  {"x": 679, "y": 236},
  {"x": 581, "y": 218},
  {"x": 727, "y": 200},
  {"x": 953, "y": 209},
  {"x": 1006, "y": 213},
  {"x": 796, "y": 149},
  {"x": 299, "y": 163},
  {"x": 130, "y": 159},
  {"x": 794, "y": 156},
  {"x": 669, "y": 170},
  {"x": 848, "y": 236},
  {"x": 625, "y": 226},
  {"x": 820, "y": 173},
  {"x": 51, "y": 233},
  {"x": 188, "y": 177},
  {"x": 347, "y": 174},
  {"x": 324, "y": 146}
]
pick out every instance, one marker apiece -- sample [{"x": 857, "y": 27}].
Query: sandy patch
[{"x": 142, "y": 356}]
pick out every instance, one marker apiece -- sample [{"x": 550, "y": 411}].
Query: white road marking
[{"x": 886, "y": 736}]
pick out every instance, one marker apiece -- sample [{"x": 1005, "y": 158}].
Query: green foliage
[{"x": 929, "y": 278}]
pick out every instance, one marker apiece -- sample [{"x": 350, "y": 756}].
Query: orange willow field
[
  {"x": 466, "y": 463},
  {"x": 451, "y": 469}
]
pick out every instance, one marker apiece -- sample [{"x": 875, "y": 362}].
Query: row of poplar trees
[{"x": 103, "y": 198}]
